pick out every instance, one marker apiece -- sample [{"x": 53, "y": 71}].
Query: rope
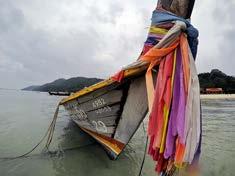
[
  {"x": 52, "y": 128},
  {"x": 171, "y": 172},
  {"x": 145, "y": 150},
  {"x": 49, "y": 133},
  {"x": 50, "y": 153}
]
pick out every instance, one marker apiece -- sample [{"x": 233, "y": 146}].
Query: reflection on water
[{"x": 25, "y": 117}]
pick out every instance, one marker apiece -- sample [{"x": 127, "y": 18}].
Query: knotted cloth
[{"x": 174, "y": 125}]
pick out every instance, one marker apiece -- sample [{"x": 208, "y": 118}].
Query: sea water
[{"x": 25, "y": 117}]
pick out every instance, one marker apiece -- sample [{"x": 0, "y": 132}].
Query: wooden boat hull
[{"x": 113, "y": 113}]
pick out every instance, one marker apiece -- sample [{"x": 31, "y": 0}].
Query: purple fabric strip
[
  {"x": 182, "y": 105},
  {"x": 172, "y": 130}
]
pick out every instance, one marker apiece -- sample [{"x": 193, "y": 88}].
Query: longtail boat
[
  {"x": 112, "y": 110},
  {"x": 59, "y": 93}
]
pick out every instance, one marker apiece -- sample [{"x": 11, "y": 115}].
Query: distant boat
[
  {"x": 214, "y": 91},
  {"x": 60, "y": 93}
]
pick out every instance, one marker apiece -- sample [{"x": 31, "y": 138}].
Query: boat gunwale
[{"x": 132, "y": 70}]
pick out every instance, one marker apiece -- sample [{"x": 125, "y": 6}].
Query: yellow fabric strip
[
  {"x": 156, "y": 30},
  {"x": 165, "y": 116},
  {"x": 167, "y": 109}
]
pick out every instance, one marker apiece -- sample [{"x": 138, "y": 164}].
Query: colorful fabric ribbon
[
  {"x": 174, "y": 126},
  {"x": 174, "y": 101}
]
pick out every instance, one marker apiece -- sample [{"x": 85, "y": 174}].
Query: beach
[{"x": 217, "y": 96}]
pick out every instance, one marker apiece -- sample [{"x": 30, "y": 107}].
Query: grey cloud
[
  {"x": 45, "y": 51},
  {"x": 224, "y": 14},
  {"x": 214, "y": 19},
  {"x": 43, "y": 40},
  {"x": 224, "y": 11}
]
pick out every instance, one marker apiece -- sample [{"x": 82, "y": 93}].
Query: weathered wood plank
[
  {"x": 105, "y": 111},
  {"x": 101, "y": 120},
  {"x": 101, "y": 113},
  {"x": 108, "y": 121},
  {"x": 105, "y": 100},
  {"x": 105, "y": 115},
  {"x": 134, "y": 110},
  {"x": 182, "y": 8},
  {"x": 97, "y": 93},
  {"x": 104, "y": 124},
  {"x": 107, "y": 131}
]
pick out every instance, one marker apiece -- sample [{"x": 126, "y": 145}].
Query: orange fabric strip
[
  {"x": 154, "y": 56},
  {"x": 149, "y": 82},
  {"x": 179, "y": 154},
  {"x": 155, "y": 53},
  {"x": 185, "y": 60}
]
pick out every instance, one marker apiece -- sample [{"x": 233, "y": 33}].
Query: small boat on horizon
[{"x": 60, "y": 93}]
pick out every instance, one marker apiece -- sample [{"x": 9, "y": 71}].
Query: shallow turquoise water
[{"x": 25, "y": 116}]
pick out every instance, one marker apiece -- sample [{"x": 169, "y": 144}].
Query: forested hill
[
  {"x": 65, "y": 85},
  {"x": 217, "y": 79},
  {"x": 214, "y": 79}
]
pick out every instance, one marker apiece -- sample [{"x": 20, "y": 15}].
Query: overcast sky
[{"x": 42, "y": 40}]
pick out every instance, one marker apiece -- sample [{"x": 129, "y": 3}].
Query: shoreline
[{"x": 217, "y": 96}]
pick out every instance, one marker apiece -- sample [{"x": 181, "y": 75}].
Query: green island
[
  {"x": 217, "y": 79},
  {"x": 64, "y": 85},
  {"x": 213, "y": 79}
]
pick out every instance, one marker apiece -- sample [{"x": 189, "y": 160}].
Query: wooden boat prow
[{"x": 111, "y": 111}]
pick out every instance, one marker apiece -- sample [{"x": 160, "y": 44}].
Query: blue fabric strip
[{"x": 159, "y": 17}]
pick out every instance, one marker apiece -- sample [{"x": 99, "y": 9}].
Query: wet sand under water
[{"x": 25, "y": 116}]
